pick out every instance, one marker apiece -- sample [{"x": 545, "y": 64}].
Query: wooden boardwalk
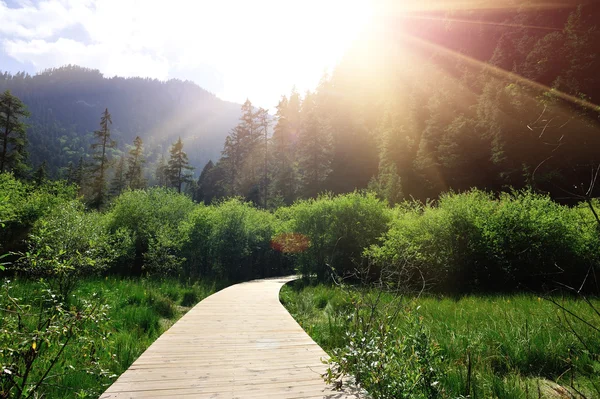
[{"x": 237, "y": 343}]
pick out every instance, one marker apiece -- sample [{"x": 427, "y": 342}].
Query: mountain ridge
[{"x": 66, "y": 103}]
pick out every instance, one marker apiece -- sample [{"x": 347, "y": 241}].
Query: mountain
[{"x": 65, "y": 105}]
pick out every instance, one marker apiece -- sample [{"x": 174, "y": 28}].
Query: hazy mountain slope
[{"x": 66, "y": 103}]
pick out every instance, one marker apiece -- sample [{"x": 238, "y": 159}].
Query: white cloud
[{"x": 260, "y": 49}]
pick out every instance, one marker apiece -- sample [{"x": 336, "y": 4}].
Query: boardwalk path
[{"x": 237, "y": 343}]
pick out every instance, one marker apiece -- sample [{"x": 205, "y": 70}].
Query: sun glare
[{"x": 269, "y": 45}]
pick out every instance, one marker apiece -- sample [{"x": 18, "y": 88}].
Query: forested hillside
[
  {"x": 66, "y": 103},
  {"x": 437, "y": 100}
]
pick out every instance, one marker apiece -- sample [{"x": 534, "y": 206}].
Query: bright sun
[{"x": 267, "y": 46}]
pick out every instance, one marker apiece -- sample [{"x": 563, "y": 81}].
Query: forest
[{"x": 436, "y": 192}]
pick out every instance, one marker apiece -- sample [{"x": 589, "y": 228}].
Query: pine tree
[
  {"x": 135, "y": 161},
  {"x": 387, "y": 184},
  {"x": 40, "y": 175},
  {"x": 202, "y": 190},
  {"x": 119, "y": 180},
  {"x": 161, "y": 172},
  {"x": 242, "y": 158},
  {"x": 13, "y": 139},
  {"x": 263, "y": 118},
  {"x": 68, "y": 172},
  {"x": 231, "y": 161},
  {"x": 178, "y": 166},
  {"x": 285, "y": 178},
  {"x": 79, "y": 173},
  {"x": 314, "y": 149},
  {"x": 250, "y": 150},
  {"x": 101, "y": 161}
]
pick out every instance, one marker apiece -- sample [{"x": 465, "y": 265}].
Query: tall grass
[
  {"x": 514, "y": 346},
  {"x": 140, "y": 310}
]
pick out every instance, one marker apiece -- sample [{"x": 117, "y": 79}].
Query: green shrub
[
  {"x": 69, "y": 243},
  {"x": 21, "y": 204},
  {"x": 150, "y": 218},
  {"x": 189, "y": 298},
  {"x": 475, "y": 241},
  {"x": 35, "y": 333},
  {"x": 338, "y": 229},
  {"x": 231, "y": 239}
]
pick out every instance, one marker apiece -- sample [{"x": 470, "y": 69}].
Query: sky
[{"x": 237, "y": 49}]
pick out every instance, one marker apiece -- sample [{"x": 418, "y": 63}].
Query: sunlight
[{"x": 267, "y": 45}]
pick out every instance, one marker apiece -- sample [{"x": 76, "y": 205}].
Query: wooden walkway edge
[{"x": 237, "y": 343}]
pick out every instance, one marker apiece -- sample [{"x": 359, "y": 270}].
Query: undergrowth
[{"x": 515, "y": 346}]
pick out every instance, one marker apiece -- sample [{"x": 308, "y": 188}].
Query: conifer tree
[
  {"x": 101, "y": 161},
  {"x": 387, "y": 183},
  {"x": 285, "y": 177},
  {"x": 242, "y": 159},
  {"x": 135, "y": 162},
  {"x": 13, "y": 139},
  {"x": 203, "y": 184},
  {"x": 263, "y": 118},
  {"x": 178, "y": 167},
  {"x": 314, "y": 149},
  {"x": 231, "y": 161},
  {"x": 161, "y": 172},
  {"x": 250, "y": 142},
  {"x": 40, "y": 175},
  {"x": 79, "y": 173},
  {"x": 119, "y": 180}
]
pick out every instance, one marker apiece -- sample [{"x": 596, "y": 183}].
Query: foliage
[
  {"x": 70, "y": 243},
  {"x": 13, "y": 137},
  {"x": 231, "y": 239},
  {"x": 476, "y": 242},
  {"x": 338, "y": 228},
  {"x": 135, "y": 163},
  {"x": 65, "y": 103},
  {"x": 100, "y": 166},
  {"x": 150, "y": 219},
  {"x": 177, "y": 166},
  {"x": 21, "y": 204},
  {"x": 516, "y": 346},
  {"x": 37, "y": 333},
  {"x": 128, "y": 315}
]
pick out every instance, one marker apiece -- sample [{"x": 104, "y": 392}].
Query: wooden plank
[{"x": 237, "y": 343}]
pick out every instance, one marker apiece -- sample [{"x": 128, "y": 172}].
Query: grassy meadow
[
  {"x": 135, "y": 313},
  {"x": 486, "y": 346}
]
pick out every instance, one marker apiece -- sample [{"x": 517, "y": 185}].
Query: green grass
[
  {"x": 516, "y": 344},
  {"x": 140, "y": 310}
]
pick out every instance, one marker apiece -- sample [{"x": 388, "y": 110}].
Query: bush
[
  {"x": 231, "y": 239},
  {"x": 21, "y": 204},
  {"x": 189, "y": 298},
  {"x": 70, "y": 243},
  {"x": 476, "y": 242},
  {"x": 34, "y": 335},
  {"x": 150, "y": 218},
  {"x": 338, "y": 229}
]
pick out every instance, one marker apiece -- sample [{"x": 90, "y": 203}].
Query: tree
[
  {"x": 263, "y": 118},
  {"x": 161, "y": 172},
  {"x": 314, "y": 149},
  {"x": 242, "y": 157},
  {"x": 202, "y": 189},
  {"x": 79, "y": 173},
  {"x": 119, "y": 180},
  {"x": 177, "y": 167},
  {"x": 135, "y": 161},
  {"x": 100, "y": 157},
  {"x": 40, "y": 175},
  {"x": 13, "y": 139},
  {"x": 285, "y": 176},
  {"x": 251, "y": 155}
]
